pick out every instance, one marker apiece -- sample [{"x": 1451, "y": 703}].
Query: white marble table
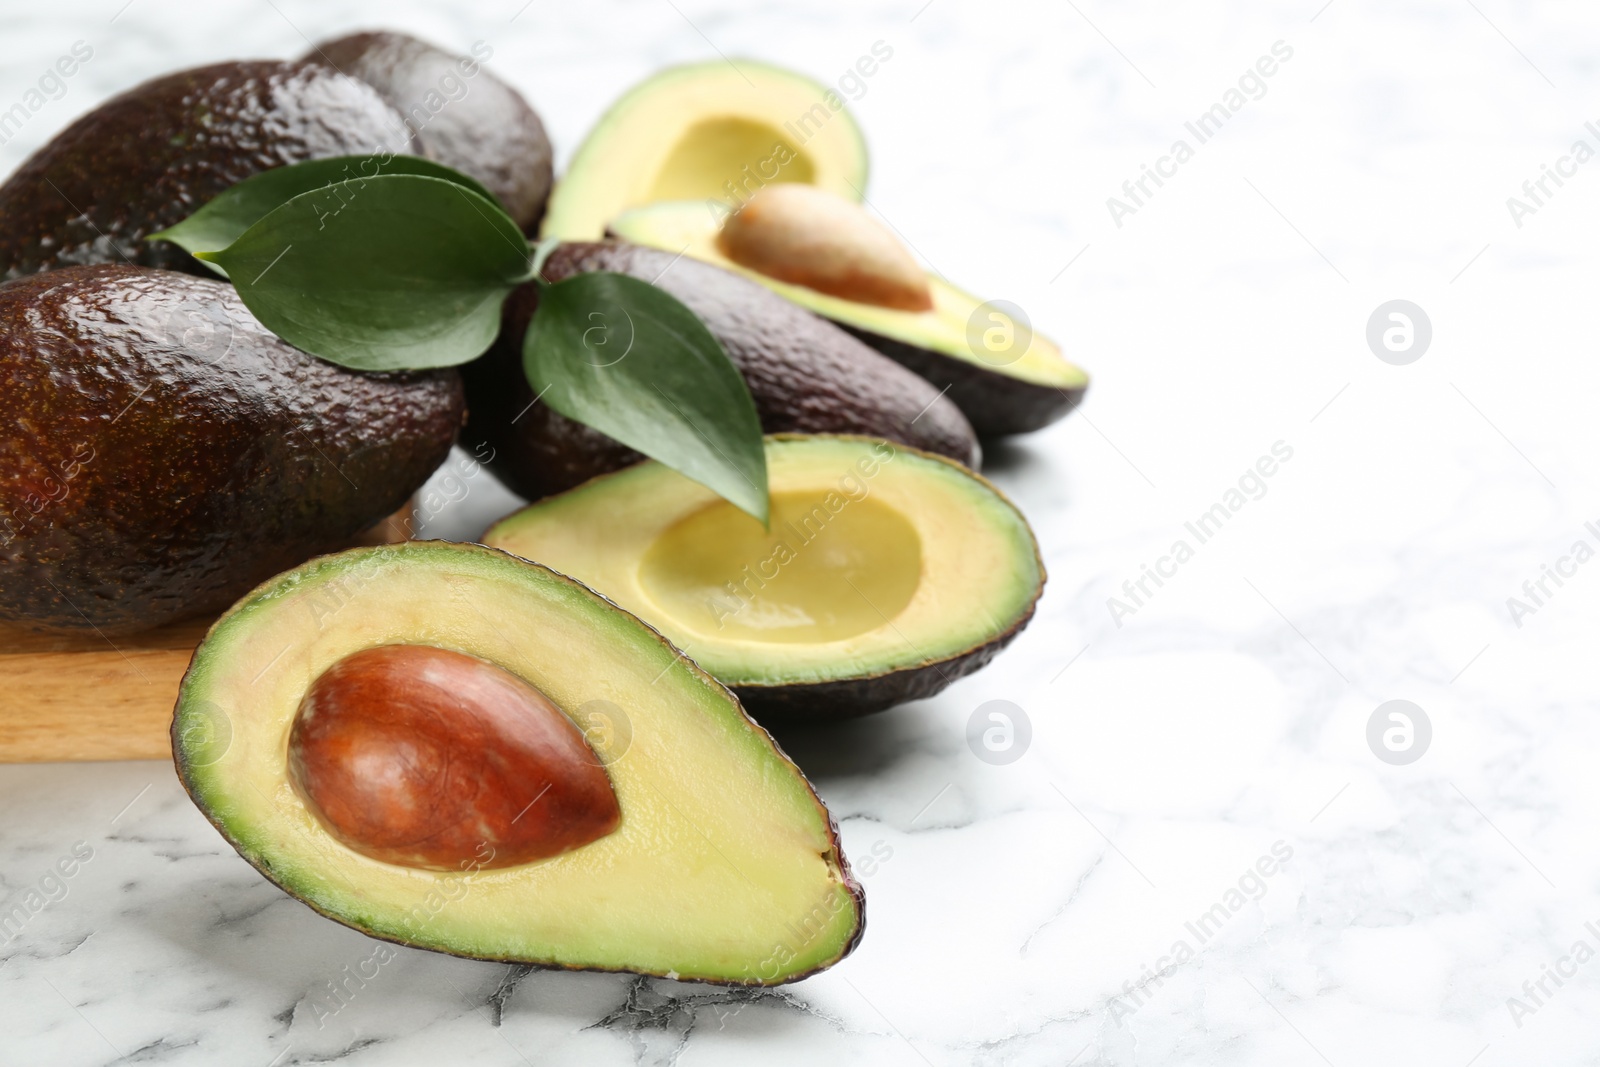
[{"x": 1032, "y": 913}]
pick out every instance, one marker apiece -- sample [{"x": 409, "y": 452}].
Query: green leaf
[
  {"x": 224, "y": 220},
  {"x": 398, "y": 272},
  {"x": 624, "y": 357}
]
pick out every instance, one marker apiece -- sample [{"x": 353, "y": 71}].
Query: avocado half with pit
[
  {"x": 454, "y": 749},
  {"x": 708, "y": 132},
  {"x": 1004, "y": 376},
  {"x": 886, "y": 574}
]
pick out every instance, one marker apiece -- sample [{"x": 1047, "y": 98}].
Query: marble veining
[{"x": 1101, "y": 899}]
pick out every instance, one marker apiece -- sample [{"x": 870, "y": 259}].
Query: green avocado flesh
[
  {"x": 881, "y": 563},
  {"x": 725, "y": 866},
  {"x": 708, "y": 132},
  {"x": 690, "y": 227}
]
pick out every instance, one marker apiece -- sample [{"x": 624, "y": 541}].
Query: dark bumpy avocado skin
[
  {"x": 852, "y": 697},
  {"x": 477, "y": 124},
  {"x": 805, "y": 374},
  {"x": 149, "y": 158},
  {"x": 997, "y": 404},
  {"x": 168, "y": 453}
]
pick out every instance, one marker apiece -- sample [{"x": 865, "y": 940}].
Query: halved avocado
[
  {"x": 1019, "y": 383},
  {"x": 887, "y": 573},
  {"x": 709, "y": 132},
  {"x": 715, "y": 860}
]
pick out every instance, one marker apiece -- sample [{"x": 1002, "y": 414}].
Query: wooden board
[{"x": 74, "y": 697}]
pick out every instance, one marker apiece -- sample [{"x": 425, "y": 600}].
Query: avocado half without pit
[
  {"x": 708, "y": 132},
  {"x": 886, "y": 573},
  {"x": 454, "y": 749},
  {"x": 831, "y": 256}
]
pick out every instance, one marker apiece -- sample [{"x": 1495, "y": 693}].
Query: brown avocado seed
[
  {"x": 805, "y": 236},
  {"x": 429, "y": 758}
]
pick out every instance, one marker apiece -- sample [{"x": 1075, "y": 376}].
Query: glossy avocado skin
[
  {"x": 171, "y": 453},
  {"x": 147, "y": 159},
  {"x": 997, "y": 404},
  {"x": 806, "y": 375},
  {"x": 475, "y": 122}
]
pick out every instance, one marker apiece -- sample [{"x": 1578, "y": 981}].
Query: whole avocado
[
  {"x": 805, "y": 374},
  {"x": 148, "y": 158},
  {"x": 459, "y": 113},
  {"x": 168, "y": 452}
]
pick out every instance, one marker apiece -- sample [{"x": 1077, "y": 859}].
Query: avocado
[
  {"x": 450, "y": 748},
  {"x": 805, "y": 374},
  {"x": 887, "y": 573},
  {"x": 166, "y": 452},
  {"x": 147, "y": 159},
  {"x": 710, "y": 132},
  {"x": 459, "y": 113},
  {"x": 1006, "y": 378}
]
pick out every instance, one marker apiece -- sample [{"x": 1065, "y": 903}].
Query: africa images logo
[
  {"x": 1538, "y": 590},
  {"x": 1252, "y": 485},
  {"x": 1203, "y": 128}
]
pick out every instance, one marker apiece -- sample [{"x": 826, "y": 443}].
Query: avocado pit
[
  {"x": 428, "y": 758},
  {"x": 804, "y": 236}
]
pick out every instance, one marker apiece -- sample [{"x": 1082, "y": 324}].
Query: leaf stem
[{"x": 541, "y": 252}]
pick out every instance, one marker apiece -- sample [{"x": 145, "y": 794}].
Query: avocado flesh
[
  {"x": 707, "y": 131},
  {"x": 488, "y": 133},
  {"x": 167, "y": 452},
  {"x": 805, "y": 375},
  {"x": 999, "y": 395},
  {"x": 887, "y": 573},
  {"x": 725, "y": 866},
  {"x": 148, "y": 158}
]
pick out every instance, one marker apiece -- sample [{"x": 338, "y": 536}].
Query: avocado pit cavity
[
  {"x": 428, "y": 758},
  {"x": 706, "y": 153},
  {"x": 818, "y": 574}
]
